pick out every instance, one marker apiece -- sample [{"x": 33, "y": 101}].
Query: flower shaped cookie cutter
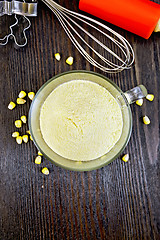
[{"x": 18, "y": 8}]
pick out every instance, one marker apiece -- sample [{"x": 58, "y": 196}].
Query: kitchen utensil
[
  {"x": 141, "y": 17},
  {"x": 124, "y": 100},
  {"x": 72, "y": 24},
  {"x": 19, "y": 8},
  {"x": 5, "y": 39}
]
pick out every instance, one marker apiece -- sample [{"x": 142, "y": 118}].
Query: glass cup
[{"x": 124, "y": 100}]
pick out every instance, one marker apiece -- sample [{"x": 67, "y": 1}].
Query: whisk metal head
[{"x": 72, "y": 22}]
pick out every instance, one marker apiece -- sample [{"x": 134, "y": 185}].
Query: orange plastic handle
[{"x": 137, "y": 16}]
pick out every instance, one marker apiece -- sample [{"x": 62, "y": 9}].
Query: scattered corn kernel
[
  {"x": 11, "y": 105},
  {"x": 45, "y": 171},
  {"x": 19, "y": 140},
  {"x": 125, "y": 158},
  {"x": 21, "y": 101},
  {"x": 150, "y": 97},
  {"x": 22, "y": 94},
  {"x": 28, "y": 132},
  {"x": 69, "y": 60},
  {"x": 15, "y": 134},
  {"x": 146, "y": 120},
  {"x": 139, "y": 102},
  {"x": 40, "y": 154},
  {"x": 31, "y": 95},
  {"x": 18, "y": 123},
  {"x": 57, "y": 56},
  {"x": 31, "y": 138},
  {"x": 38, "y": 160},
  {"x": 25, "y": 138},
  {"x": 24, "y": 119}
]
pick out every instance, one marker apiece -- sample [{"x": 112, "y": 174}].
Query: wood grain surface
[{"x": 119, "y": 201}]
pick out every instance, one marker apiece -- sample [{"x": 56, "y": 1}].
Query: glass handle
[{"x": 136, "y": 93}]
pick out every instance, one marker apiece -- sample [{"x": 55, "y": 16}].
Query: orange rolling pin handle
[{"x": 137, "y": 16}]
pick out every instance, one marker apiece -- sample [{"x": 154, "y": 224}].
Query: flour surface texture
[{"x": 80, "y": 120}]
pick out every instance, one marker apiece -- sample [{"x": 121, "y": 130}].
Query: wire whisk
[{"x": 113, "y": 62}]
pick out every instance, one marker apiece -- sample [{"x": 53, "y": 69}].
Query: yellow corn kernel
[
  {"x": 22, "y": 94},
  {"x": 11, "y": 105},
  {"x": 146, "y": 120},
  {"x": 40, "y": 154},
  {"x": 38, "y": 160},
  {"x": 31, "y": 95},
  {"x": 21, "y": 101},
  {"x": 24, "y": 119},
  {"x": 139, "y": 102},
  {"x": 69, "y": 60},
  {"x": 19, "y": 140},
  {"x": 31, "y": 138},
  {"x": 57, "y": 56},
  {"x": 125, "y": 158},
  {"x": 45, "y": 171},
  {"x": 15, "y": 134},
  {"x": 150, "y": 97},
  {"x": 28, "y": 132},
  {"x": 25, "y": 138},
  {"x": 18, "y": 123}
]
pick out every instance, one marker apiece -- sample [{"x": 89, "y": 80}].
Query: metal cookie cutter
[{"x": 20, "y": 8}]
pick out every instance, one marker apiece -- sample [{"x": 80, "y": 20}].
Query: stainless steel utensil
[
  {"x": 20, "y": 8},
  {"x": 72, "y": 22}
]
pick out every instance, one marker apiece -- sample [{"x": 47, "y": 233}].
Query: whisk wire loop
[{"x": 65, "y": 18}]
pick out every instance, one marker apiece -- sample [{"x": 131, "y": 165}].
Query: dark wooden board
[{"x": 119, "y": 201}]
